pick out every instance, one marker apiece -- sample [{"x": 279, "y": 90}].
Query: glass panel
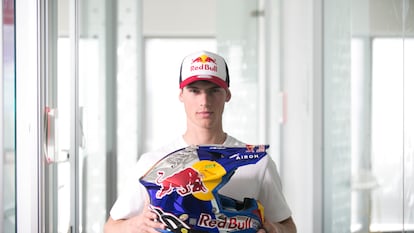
[
  {"x": 237, "y": 40},
  {"x": 362, "y": 179},
  {"x": 336, "y": 117},
  {"x": 7, "y": 126},
  {"x": 408, "y": 161},
  {"x": 387, "y": 149},
  {"x": 91, "y": 102},
  {"x": 95, "y": 67},
  {"x": 129, "y": 89},
  {"x": 392, "y": 153},
  {"x": 59, "y": 170},
  {"x": 58, "y": 93},
  {"x": 381, "y": 131},
  {"x": 96, "y": 134},
  {"x": 97, "y": 62},
  {"x": 92, "y": 153},
  {"x": 408, "y": 182}
]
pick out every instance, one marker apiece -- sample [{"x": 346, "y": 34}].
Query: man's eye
[
  {"x": 193, "y": 90},
  {"x": 215, "y": 90}
]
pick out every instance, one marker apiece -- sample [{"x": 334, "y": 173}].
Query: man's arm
[
  {"x": 137, "y": 224},
  {"x": 114, "y": 226},
  {"x": 285, "y": 226}
]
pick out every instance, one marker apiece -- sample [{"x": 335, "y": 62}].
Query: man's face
[{"x": 204, "y": 103}]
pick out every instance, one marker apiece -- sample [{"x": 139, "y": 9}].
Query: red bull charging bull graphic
[
  {"x": 185, "y": 182},
  {"x": 183, "y": 190}
]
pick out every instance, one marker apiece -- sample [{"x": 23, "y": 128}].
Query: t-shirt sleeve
[
  {"x": 132, "y": 199},
  {"x": 133, "y": 196},
  {"x": 271, "y": 195}
]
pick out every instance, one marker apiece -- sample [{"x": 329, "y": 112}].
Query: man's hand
[
  {"x": 285, "y": 226},
  {"x": 145, "y": 222}
]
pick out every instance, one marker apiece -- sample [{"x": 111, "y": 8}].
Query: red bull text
[
  {"x": 203, "y": 67},
  {"x": 227, "y": 223}
]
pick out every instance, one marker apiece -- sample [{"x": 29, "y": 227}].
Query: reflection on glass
[
  {"x": 62, "y": 166},
  {"x": 92, "y": 151},
  {"x": 382, "y": 116},
  {"x": 393, "y": 195},
  {"x": 408, "y": 162},
  {"x": 57, "y": 169},
  {"x": 8, "y": 121},
  {"x": 336, "y": 119},
  {"x": 387, "y": 136},
  {"x": 363, "y": 181}
]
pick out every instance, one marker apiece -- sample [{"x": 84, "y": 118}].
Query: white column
[{"x": 29, "y": 118}]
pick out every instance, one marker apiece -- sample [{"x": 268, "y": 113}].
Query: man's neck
[{"x": 200, "y": 138}]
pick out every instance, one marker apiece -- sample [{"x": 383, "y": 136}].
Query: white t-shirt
[{"x": 260, "y": 181}]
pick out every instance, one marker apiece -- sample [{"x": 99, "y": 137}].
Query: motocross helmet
[{"x": 184, "y": 186}]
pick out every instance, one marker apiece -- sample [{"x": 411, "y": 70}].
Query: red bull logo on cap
[
  {"x": 207, "y": 63},
  {"x": 184, "y": 182},
  {"x": 204, "y": 58}
]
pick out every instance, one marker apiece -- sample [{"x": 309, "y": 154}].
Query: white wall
[
  {"x": 28, "y": 111},
  {"x": 160, "y": 19}
]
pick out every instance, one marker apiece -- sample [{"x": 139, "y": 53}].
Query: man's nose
[{"x": 204, "y": 98}]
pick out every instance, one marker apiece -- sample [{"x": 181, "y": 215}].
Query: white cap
[{"x": 204, "y": 65}]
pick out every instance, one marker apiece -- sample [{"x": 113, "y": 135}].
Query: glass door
[
  {"x": 80, "y": 114},
  {"x": 368, "y": 133},
  {"x": 58, "y": 120},
  {"x": 97, "y": 94}
]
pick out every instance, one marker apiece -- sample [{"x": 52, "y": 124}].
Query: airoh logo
[{"x": 244, "y": 156}]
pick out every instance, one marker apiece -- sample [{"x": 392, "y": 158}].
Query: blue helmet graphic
[{"x": 183, "y": 190}]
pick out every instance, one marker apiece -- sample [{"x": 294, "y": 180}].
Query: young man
[{"x": 204, "y": 84}]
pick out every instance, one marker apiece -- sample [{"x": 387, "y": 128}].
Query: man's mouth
[{"x": 204, "y": 113}]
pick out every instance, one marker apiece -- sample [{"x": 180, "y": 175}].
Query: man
[{"x": 204, "y": 84}]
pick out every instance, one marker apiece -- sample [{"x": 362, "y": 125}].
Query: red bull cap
[{"x": 204, "y": 65}]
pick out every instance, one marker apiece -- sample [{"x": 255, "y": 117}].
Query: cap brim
[{"x": 212, "y": 79}]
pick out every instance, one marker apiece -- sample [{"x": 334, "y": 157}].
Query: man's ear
[
  {"x": 180, "y": 95},
  {"x": 228, "y": 96}
]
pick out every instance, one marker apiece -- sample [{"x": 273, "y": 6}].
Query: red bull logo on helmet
[
  {"x": 250, "y": 148},
  {"x": 228, "y": 223},
  {"x": 184, "y": 182},
  {"x": 203, "y": 62}
]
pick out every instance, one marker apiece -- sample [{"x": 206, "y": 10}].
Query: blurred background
[{"x": 88, "y": 86}]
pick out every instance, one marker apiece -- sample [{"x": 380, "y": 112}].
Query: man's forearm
[
  {"x": 113, "y": 226},
  {"x": 286, "y": 226}
]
